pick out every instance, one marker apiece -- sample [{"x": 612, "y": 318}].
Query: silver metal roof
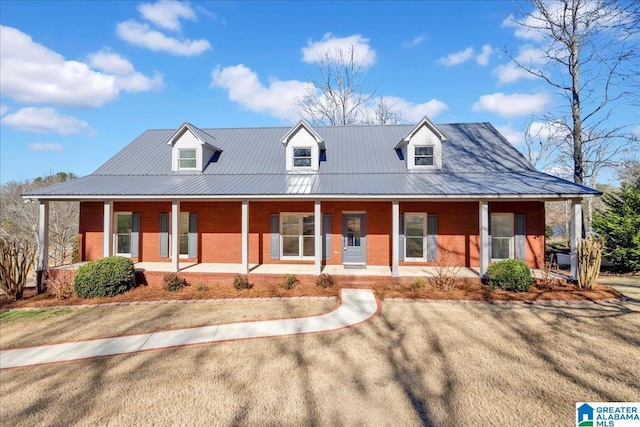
[{"x": 360, "y": 161}]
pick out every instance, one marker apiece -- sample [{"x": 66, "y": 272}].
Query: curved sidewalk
[{"x": 358, "y": 305}]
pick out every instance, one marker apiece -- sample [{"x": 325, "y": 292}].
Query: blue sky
[{"x": 80, "y": 80}]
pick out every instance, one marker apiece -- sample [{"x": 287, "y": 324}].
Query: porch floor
[{"x": 300, "y": 269}]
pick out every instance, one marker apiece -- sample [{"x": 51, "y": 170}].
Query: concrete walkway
[{"x": 358, "y": 305}]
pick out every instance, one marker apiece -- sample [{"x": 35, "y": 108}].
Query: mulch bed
[{"x": 465, "y": 290}]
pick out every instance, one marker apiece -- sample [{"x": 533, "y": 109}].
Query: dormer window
[
  {"x": 424, "y": 156},
  {"x": 301, "y": 157},
  {"x": 186, "y": 159}
]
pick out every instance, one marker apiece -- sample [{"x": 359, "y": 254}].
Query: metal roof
[{"x": 360, "y": 161}]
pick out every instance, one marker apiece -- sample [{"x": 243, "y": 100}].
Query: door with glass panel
[
  {"x": 354, "y": 238},
  {"x": 501, "y": 236}
]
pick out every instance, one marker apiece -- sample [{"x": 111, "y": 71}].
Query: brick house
[{"x": 356, "y": 196}]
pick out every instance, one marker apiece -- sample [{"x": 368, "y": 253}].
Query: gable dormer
[
  {"x": 422, "y": 147},
  {"x": 191, "y": 149},
  {"x": 303, "y": 148}
]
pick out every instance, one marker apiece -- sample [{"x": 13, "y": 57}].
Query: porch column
[
  {"x": 395, "y": 238},
  {"x": 175, "y": 236},
  {"x": 245, "y": 237},
  {"x": 43, "y": 235},
  {"x": 575, "y": 234},
  {"x": 317, "y": 216},
  {"x": 484, "y": 238},
  {"x": 107, "y": 234}
]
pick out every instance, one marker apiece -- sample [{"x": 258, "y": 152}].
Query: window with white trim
[
  {"x": 414, "y": 232},
  {"x": 124, "y": 222},
  {"x": 302, "y": 157},
  {"x": 424, "y": 155},
  {"x": 297, "y": 235},
  {"x": 187, "y": 159},
  {"x": 501, "y": 236}
]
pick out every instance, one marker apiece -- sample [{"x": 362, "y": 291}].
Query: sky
[{"x": 79, "y": 80}]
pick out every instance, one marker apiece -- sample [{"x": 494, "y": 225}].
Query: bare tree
[
  {"x": 587, "y": 51},
  {"x": 16, "y": 261},
  {"x": 339, "y": 96},
  {"x": 19, "y": 217}
]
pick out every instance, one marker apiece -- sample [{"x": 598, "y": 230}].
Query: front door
[{"x": 354, "y": 237}]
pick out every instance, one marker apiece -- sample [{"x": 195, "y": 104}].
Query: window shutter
[
  {"x": 275, "y": 236},
  {"x": 490, "y": 241},
  {"x": 164, "y": 235},
  {"x": 135, "y": 235},
  {"x": 326, "y": 232},
  {"x": 193, "y": 236},
  {"x": 432, "y": 237},
  {"x": 401, "y": 239},
  {"x": 521, "y": 237}
]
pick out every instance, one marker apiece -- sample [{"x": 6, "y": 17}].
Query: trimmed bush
[
  {"x": 324, "y": 281},
  {"x": 419, "y": 283},
  {"x": 173, "y": 283},
  {"x": 511, "y": 275},
  {"x": 289, "y": 282},
  {"x": 105, "y": 277},
  {"x": 241, "y": 282}
]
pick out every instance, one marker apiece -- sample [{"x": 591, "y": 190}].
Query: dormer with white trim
[
  {"x": 303, "y": 148},
  {"x": 422, "y": 147},
  {"x": 191, "y": 149}
]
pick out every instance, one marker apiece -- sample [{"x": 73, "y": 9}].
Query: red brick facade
[{"x": 219, "y": 228}]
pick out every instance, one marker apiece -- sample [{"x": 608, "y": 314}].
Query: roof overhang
[
  {"x": 308, "y": 128},
  {"x": 424, "y": 122}
]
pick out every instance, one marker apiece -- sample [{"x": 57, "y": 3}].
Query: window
[
  {"x": 424, "y": 156},
  {"x": 414, "y": 227},
  {"x": 297, "y": 235},
  {"x": 186, "y": 159},
  {"x": 123, "y": 234},
  {"x": 301, "y": 157},
  {"x": 183, "y": 233},
  {"x": 501, "y": 236}
]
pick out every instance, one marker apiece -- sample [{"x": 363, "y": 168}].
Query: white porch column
[
  {"x": 107, "y": 235},
  {"x": 317, "y": 216},
  {"x": 575, "y": 234},
  {"x": 245, "y": 237},
  {"x": 395, "y": 237},
  {"x": 484, "y": 238},
  {"x": 43, "y": 235},
  {"x": 175, "y": 236}
]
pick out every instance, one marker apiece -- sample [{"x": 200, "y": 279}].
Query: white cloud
[
  {"x": 514, "y": 136},
  {"x": 44, "y": 120},
  {"x": 413, "y": 112},
  {"x": 509, "y": 73},
  {"x": 457, "y": 58},
  {"x": 127, "y": 78},
  {"x": 32, "y": 73},
  {"x": 279, "y": 99},
  {"x": 483, "y": 58},
  {"x": 517, "y": 104},
  {"x": 3, "y": 109},
  {"x": 141, "y": 35},
  {"x": 415, "y": 41},
  {"x": 167, "y": 13},
  {"x": 340, "y": 49},
  {"x": 545, "y": 131},
  {"x": 45, "y": 146}
]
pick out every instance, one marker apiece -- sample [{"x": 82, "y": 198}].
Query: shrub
[
  {"x": 241, "y": 282},
  {"x": 59, "y": 282},
  {"x": 290, "y": 281},
  {"x": 510, "y": 275},
  {"x": 419, "y": 283},
  {"x": 104, "y": 278},
  {"x": 447, "y": 271},
  {"x": 324, "y": 281},
  {"x": 173, "y": 283},
  {"x": 202, "y": 287}
]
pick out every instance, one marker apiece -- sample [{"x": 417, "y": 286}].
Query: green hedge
[
  {"x": 511, "y": 275},
  {"x": 104, "y": 278}
]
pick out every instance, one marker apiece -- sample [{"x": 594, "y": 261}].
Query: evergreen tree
[{"x": 619, "y": 226}]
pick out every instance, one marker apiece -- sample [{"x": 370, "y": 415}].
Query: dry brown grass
[
  {"x": 102, "y": 322},
  {"x": 417, "y": 363}
]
